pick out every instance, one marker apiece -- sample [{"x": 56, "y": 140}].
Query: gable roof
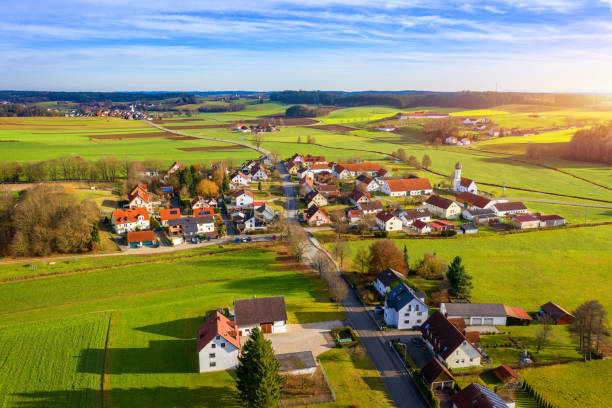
[
  {"x": 505, "y": 372},
  {"x": 510, "y": 206},
  {"x": 357, "y": 195},
  {"x": 412, "y": 184},
  {"x": 318, "y": 166},
  {"x": 362, "y": 178},
  {"x": 389, "y": 276},
  {"x": 206, "y": 219},
  {"x": 218, "y": 325},
  {"x": 327, "y": 188},
  {"x": 475, "y": 309},
  {"x": 477, "y": 396},
  {"x": 434, "y": 370},
  {"x": 310, "y": 196},
  {"x": 139, "y": 192},
  {"x": 517, "y": 313},
  {"x": 130, "y": 215},
  {"x": 458, "y": 322},
  {"x": 140, "y": 236},
  {"x": 358, "y": 167},
  {"x": 385, "y": 216},
  {"x": 313, "y": 210},
  {"x": 352, "y": 213},
  {"x": 525, "y": 218},
  {"x": 382, "y": 173},
  {"x": 169, "y": 213},
  {"x": 440, "y": 202},
  {"x": 466, "y": 182},
  {"x": 443, "y": 336},
  {"x": 416, "y": 213},
  {"x": 260, "y": 310},
  {"x": 401, "y": 295},
  {"x": 242, "y": 191},
  {"x": 550, "y": 218},
  {"x": 480, "y": 212},
  {"x": 371, "y": 206},
  {"x": 473, "y": 199},
  {"x": 554, "y": 310},
  {"x": 419, "y": 224}
]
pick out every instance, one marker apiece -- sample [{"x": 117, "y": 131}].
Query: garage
[
  {"x": 476, "y": 321},
  {"x": 488, "y": 321},
  {"x": 138, "y": 239}
]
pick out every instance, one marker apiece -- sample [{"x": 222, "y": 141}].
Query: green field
[
  {"x": 583, "y": 384},
  {"x": 156, "y": 310},
  {"x": 567, "y": 266}
]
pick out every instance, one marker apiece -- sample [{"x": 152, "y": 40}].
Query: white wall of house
[
  {"x": 279, "y": 326},
  {"x": 451, "y": 213},
  {"x": 126, "y": 227},
  {"x": 139, "y": 202},
  {"x": 244, "y": 200},
  {"x": 218, "y": 355},
  {"x": 408, "y": 222},
  {"x": 202, "y": 228},
  {"x": 464, "y": 356},
  {"x": 410, "y": 316},
  {"x": 394, "y": 224}
]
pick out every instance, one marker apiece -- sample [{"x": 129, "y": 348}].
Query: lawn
[
  {"x": 567, "y": 266},
  {"x": 581, "y": 384},
  {"x": 156, "y": 310}
]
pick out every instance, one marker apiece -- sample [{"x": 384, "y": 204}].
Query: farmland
[
  {"x": 156, "y": 309},
  {"x": 527, "y": 270},
  {"x": 581, "y": 384}
]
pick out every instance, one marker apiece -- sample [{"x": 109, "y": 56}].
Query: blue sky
[{"x": 119, "y": 45}]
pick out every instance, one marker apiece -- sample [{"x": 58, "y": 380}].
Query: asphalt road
[{"x": 399, "y": 384}]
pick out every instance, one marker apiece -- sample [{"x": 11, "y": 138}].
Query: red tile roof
[
  {"x": 130, "y": 215},
  {"x": 169, "y": 214},
  {"x": 477, "y": 396},
  {"x": 472, "y": 199},
  {"x": 517, "y": 312},
  {"x": 436, "y": 371},
  {"x": 440, "y": 202},
  {"x": 414, "y": 184},
  {"x": 319, "y": 166},
  {"x": 525, "y": 218},
  {"x": 465, "y": 182},
  {"x": 505, "y": 373},
  {"x": 419, "y": 224},
  {"x": 242, "y": 191},
  {"x": 358, "y": 167},
  {"x": 472, "y": 336},
  {"x": 385, "y": 216},
  {"x": 550, "y": 217},
  {"x": 448, "y": 337},
  {"x": 203, "y": 211},
  {"x": 510, "y": 206},
  {"x": 217, "y": 324},
  {"x": 140, "y": 236}
]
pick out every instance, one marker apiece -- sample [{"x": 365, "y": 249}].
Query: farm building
[
  {"x": 483, "y": 396},
  {"x": 505, "y": 374},
  {"x": 441, "y": 225},
  {"x": 328, "y": 190},
  {"x": 406, "y": 187},
  {"x": 218, "y": 344},
  {"x": 478, "y": 215},
  {"x": 137, "y": 239},
  {"x": 485, "y": 314},
  {"x": 405, "y": 308},
  {"x": 551, "y": 221},
  {"x": 470, "y": 200},
  {"x": 386, "y": 280},
  {"x": 508, "y": 208},
  {"x": 268, "y": 313},
  {"x": 525, "y": 221},
  {"x": 468, "y": 228},
  {"x": 437, "y": 375},
  {"x": 442, "y": 207},
  {"x": 558, "y": 314},
  {"x": 355, "y": 169}
]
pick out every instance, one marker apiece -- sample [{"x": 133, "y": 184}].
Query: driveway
[{"x": 301, "y": 337}]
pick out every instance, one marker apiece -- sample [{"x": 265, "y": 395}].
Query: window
[
  {"x": 213, "y": 345},
  {"x": 406, "y": 314},
  {"x": 420, "y": 313},
  {"x": 416, "y": 308},
  {"x": 419, "y": 321},
  {"x": 213, "y": 364},
  {"x": 406, "y": 321},
  {"x": 409, "y": 308},
  {"x": 463, "y": 360},
  {"x": 218, "y": 337},
  {"x": 211, "y": 355},
  {"x": 222, "y": 345},
  {"x": 471, "y": 359},
  {"x": 457, "y": 361}
]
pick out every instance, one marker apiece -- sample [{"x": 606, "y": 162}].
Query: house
[
  {"x": 218, "y": 344},
  {"x": 406, "y": 187},
  {"x": 509, "y": 207},
  {"x": 206, "y": 225},
  {"x": 551, "y": 221},
  {"x": 316, "y": 216},
  {"x": 368, "y": 183},
  {"x": 150, "y": 172},
  {"x": 292, "y": 167},
  {"x": 259, "y": 218},
  {"x": 451, "y": 140},
  {"x": 382, "y": 174},
  {"x": 476, "y": 314},
  {"x": 404, "y": 308},
  {"x": 202, "y": 202},
  {"x": 477, "y": 215},
  {"x": 317, "y": 168},
  {"x": 169, "y": 214},
  {"x": 525, "y": 221},
  {"x": 353, "y": 215},
  {"x": 239, "y": 178},
  {"x": 328, "y": 190},
  {"x": 471, "y": 200},
  {"x": 139, "y": 197},
  {"x": 315, "y": 198},
  {"x": 372, "y": 207},
  {"x": 505, "y": 374},
  {"x": 268, "y": 314},
  {"x": 258, "y": 173},
  {"x": 358, "y": 197},
  {"x": 387, "y": 280},
  {"x": 461, "y": 184},
  {"x": 468, "y": 228},
  {"x": 470, "y": 121},
  {"x": 242, "y": 198},
  {"x": 443, "y": 207},
  {"x": 421, "y": 227},
  {"x": 478, "y": 396},
  {"x": 555, "y": 312},
  {"x": 386, "y": 221},
  {"x": 341, "y": 172},
  {"x": 441, "y": 225},
  {"x": 325, "y": 177},
  {"x": 130, "y": 219},
  {"x": 176, "y": 166},
  {"x": 176, "y": 230},
  {"x": 137, "y": 239},
  {"x": 310, "y": 160},
  {"x": 437, "y": 375},
  {"x": 304, "y": 172},
  {"x": 200, "y": 212},
  {"x": 413, "y": 214},
  {"x": 448, "y": 344}
]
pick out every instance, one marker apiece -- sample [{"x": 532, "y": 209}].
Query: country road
[{"x": 399, "y": 384}]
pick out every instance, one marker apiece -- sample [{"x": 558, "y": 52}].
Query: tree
[
  {"x": 207, "y": 188},
  {"x": 431, "y": 267},
  {"x": 460, "y": 282},
  {"x": 361, "y": 259},
  {"x": 543, "y": 332},
  {"x": 426, "y": 161},
  {"x": 95, "y": 235},
  {"x": 297, "y": 241},
  {"x": 299, "y": 139},
  {"x": 258, "y": 140},
  {"x": 321, "y": 263},
  {"x": 225, "y": 187},
  {"x": 218, "y": 175},
  {"x": 413, "y": 161},
  {"x": 258, "y": 380},
  {"x": 591, "y": 326},
  {"x": 341, "y": 250},
  {"x": 384, "y": 254},
  {"x": 406, "y": 258},
  {"x": 259, "y": 186},
  {"x": 276, "y": 175}
]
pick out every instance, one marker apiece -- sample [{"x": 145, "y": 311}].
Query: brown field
[
  {"x": 282, "y": 121},
  {"x": 128, "y": 135},
  {"x": 181, "y": 138},
  {"x": 197, "y": 127},
  {"x": 158, "y": 121},
  {"x": 333, "y": 128},
  {"x": 208, "y": 148}
]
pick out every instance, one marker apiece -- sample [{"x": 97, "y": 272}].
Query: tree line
[
  {"x": 86, "y": 97},
  {"x": 19, "y": 110}
]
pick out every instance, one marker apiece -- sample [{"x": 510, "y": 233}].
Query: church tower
[{"x": 457, "y": 180}]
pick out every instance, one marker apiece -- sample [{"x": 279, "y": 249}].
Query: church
[{"x": 461, "y": 184}]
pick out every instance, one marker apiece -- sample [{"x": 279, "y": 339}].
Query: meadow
[
  {"x": 566, "y": 266},
  {"x": 55, "y": 339},
  {"x": 581, "y": 384}
]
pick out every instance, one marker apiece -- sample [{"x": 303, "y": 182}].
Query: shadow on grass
[
  {"x": 180, "y": 328},
  {"x": 374, "y": 383},
  {"x": 273, "y": 284},
  {"x": 161, "y": 397},
  {"x": 162, "y": 356}
]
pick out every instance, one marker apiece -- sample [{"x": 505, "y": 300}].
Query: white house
[
  {"x": 139, "y": 197},
  {"x": 461, "y": 184},
  {"x": 202, "y": 202},
  {"x": 421, "y": 227},
  {"x": 387, "y": 280},
  {"x": 405, "y": 308},
  {"x": 239, "y": 178},
  {"x": 258, "y": 173},
  {"x": 476, "y": 314},
  {"x": 442, "y": 207},
  {"x": 369, "y": 183},
  {"x": 269, "y": 314},
  {"x": 411, "y": 215},
  {"x": 404, "y": 187},
  {"x": 448, "y": 344},
  {"x": 509, "y": 207},
  {"x": 341, "y": 172},
  {"x": 130, "y": 219},
  {"x": 218, "y": 344},
  {"x": 205, "y": 224},
  {"x": 242, "y": 198},
  {"x": 386, "y": 221}
]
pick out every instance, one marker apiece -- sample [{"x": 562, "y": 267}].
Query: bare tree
[
  {"x": 591, "y": 326},
  {"x": 322, "y": 264},
  {"x": 362, "y": 259},
  {"x": 258, "y": 139},
  {"x": 543, "y": 332},
  {"x": 341, "y": 250}
]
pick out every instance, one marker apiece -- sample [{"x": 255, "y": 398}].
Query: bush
[
  {"x": 431, "y": 267},
  {"x": 301, "y": 111},
  {"x": 337, "y": 331}
]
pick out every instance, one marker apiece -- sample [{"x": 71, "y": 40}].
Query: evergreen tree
[
  {"x": 259, "y": 186},
  {"x": 225, "y": 187},
  {"x": 259, "y": 382},
  {"x": 95, "y": 232},
  {"x": 406, "y": 258},
  {"x": 187, "y": 179},
  {"x": 460, "y": 282},
  {"x": 195, "y": 178}
]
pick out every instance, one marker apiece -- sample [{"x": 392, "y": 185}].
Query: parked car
[
  {"x": 417, "y": 341},
  {"x": 237, "y": 240},
  {"x": 378, "y": 310}
]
